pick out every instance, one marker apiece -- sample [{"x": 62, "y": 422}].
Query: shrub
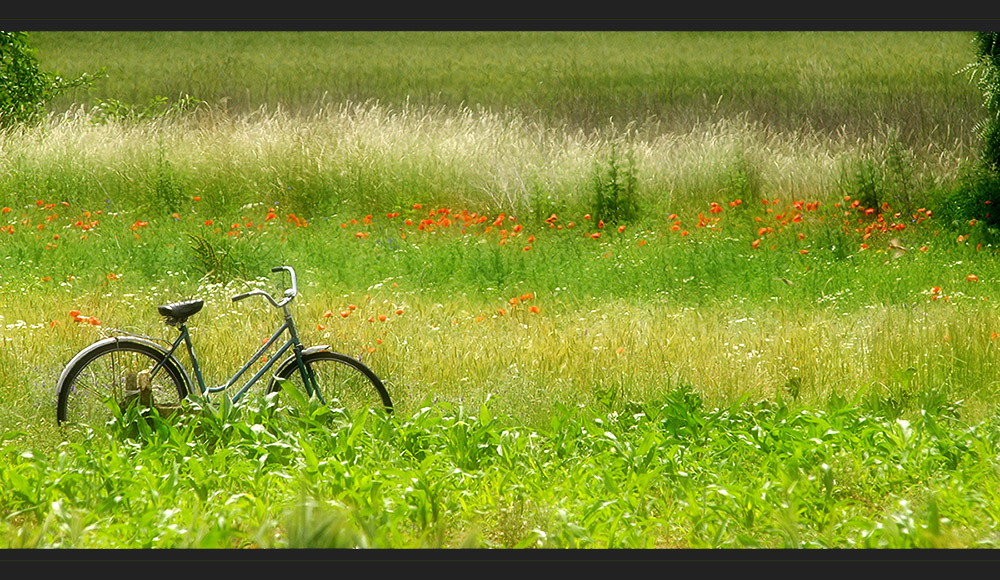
[
  {"x": 24, "y": 88},
  {"x": 986, "y": 73},
  {"x": 615, "y": 188}
]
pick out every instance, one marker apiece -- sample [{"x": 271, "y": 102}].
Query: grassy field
[{"x": 638, "y": 290}]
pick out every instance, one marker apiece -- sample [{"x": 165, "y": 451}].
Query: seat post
[{"x": 182, "y": 327}]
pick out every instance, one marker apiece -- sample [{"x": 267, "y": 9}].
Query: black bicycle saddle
[{"x": 180, "y": 311}]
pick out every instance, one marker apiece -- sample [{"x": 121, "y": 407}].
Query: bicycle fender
[
  {"x": 317, "y": 348},
  {"x": 291, "y": 361}
]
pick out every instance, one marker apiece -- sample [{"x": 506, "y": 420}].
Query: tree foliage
[
  {"x": 24, "y": 87},
  {"x": 985, "y": 71}
]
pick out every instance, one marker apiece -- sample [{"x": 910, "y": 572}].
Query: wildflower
[
  {"x": 755, "y": 244},
  {"x": 93, "y": 321},
  {"x": 586, "y": 217},
  {"x": 972, "y": 278},
  {"x": 513, "y": 301},
  {"x": 936, "y": 290},
  {"x": 382, "y": 317},
  {"x": 197, "y": 198},
  {"x": 642, "y": 242},
  {"x": 399, "y": 311},
  {"x": 534, "y": 310},
  {"x": 803, "y": 252},
  {"x": 6, "y": 210},
  {"x": 328, "y": 314},
  {"x": 621, "y": 229},
  {"x": 345, "y": 313},
  {"x": 320, "y": 327},
  {"x": 208, "y": 222},
  {"x": 74, "y": 313},
  {"x": 501, "y": 311},
  {"x": 417, "y": 206},
  {"x": 595, "y": 235},
  {"x": 923, "y": 248}
]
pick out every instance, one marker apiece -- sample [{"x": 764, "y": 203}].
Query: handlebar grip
[
  {"x": 239, "y": 297},
  {"x": 278, "y": 268}
]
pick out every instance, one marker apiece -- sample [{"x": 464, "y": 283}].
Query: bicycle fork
[{"x": 308, "y": 374}]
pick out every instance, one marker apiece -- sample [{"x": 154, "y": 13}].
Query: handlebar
[{"x": 288, "y": 295}]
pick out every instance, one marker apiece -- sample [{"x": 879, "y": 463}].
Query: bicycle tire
[
  {"x": 98, "y": 372},
  {"x": 344, "y": 382}
]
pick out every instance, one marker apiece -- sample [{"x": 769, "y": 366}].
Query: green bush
[
  {"x": 976, "y": 196},
  {"x": 986, "y": 72},
  {"x": 24, "y": 88},
  {"x": 885, "y": 175},
  {"x": 615, "y": 188}
]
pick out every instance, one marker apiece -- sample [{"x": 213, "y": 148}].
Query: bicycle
[{"x": 107, "y": 372}]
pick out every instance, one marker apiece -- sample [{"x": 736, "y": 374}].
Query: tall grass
[
  {"x": 360, "y": 155},
  {"x": 827, "y": 82}
]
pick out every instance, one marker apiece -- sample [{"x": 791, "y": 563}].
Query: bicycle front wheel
[
  {"x": 342, "y": 381},
  {"x": 99, "y": 377}
]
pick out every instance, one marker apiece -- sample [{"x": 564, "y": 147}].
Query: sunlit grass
[
  {"x": 454, "y": 306},
  {"x": 767, "y": 355}
]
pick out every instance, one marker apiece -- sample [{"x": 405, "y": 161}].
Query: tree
[
  {"x": 24, "y": 88},
  {"x": 986, "y": 72}
]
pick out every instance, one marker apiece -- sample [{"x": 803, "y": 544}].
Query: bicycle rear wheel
[
  {"x": 343, "y": 382},
  {"x": 98, "y": 377}
]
